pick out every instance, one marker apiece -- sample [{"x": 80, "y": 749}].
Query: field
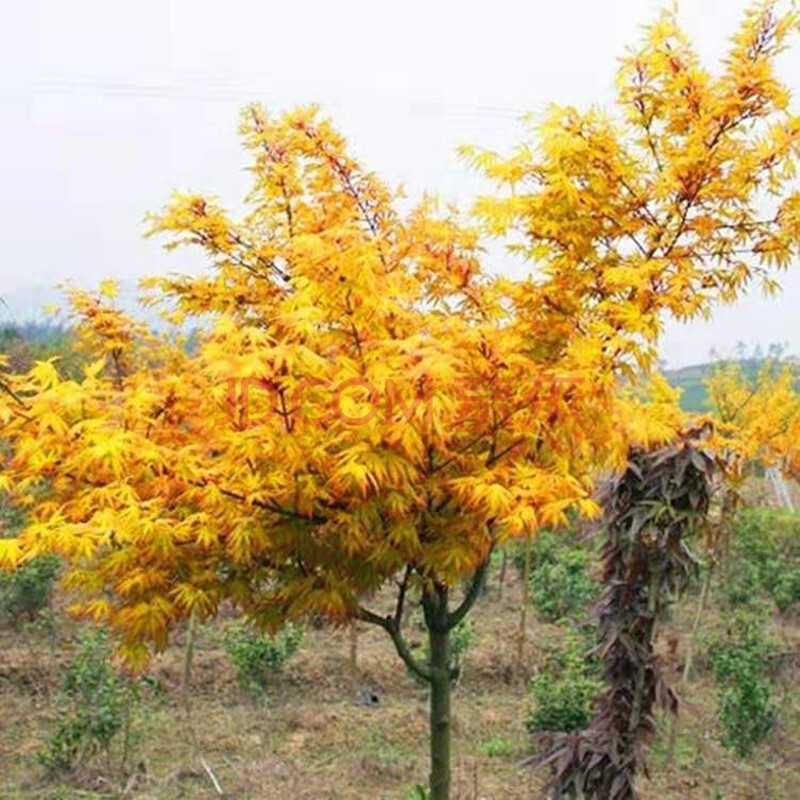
[
  {"x": 322, "y": 731},
  {"x": 391, "y": 501}
]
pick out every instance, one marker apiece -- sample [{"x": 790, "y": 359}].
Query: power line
[{"x": 210, "y": 93}]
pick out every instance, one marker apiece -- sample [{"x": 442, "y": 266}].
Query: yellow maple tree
[
  {"x": 757, "y": 419},
  {"x": 366, "y": 408}
]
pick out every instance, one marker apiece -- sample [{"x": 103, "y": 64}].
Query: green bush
[
  {"x": 25, "y": 344},
  {"x": 26, "y": 592},
  {"x": 497, "y": 746},
  {"x": 786, "y": 589},
  {"x": 765, "y": 555},
  {"x": 560, "y": 583},
  {"x": 97, "y": 704},
  {"x": 740, "y": 663},
  {"x": 257, "y": 656},
  {"x": 562, "y": 694}
]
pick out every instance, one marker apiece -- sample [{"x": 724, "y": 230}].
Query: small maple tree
[
  {"x": 757, "y": 417},
  {"x": 756, "y": 425},
  {"x": 366, "y": 407}
]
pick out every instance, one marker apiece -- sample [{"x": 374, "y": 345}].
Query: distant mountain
[
  {"x": 33, "y": 305},
  {"x": 691, "y": 380}
]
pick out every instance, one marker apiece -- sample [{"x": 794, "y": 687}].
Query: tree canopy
[
  {"x": 367, "y": 403},
  {"x": 366, "y": 397}
]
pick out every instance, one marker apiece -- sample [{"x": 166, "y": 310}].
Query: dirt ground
[{"x": 313, "y": 737}]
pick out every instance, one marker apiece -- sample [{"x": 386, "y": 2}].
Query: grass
[{"x": 311, "y": 739}]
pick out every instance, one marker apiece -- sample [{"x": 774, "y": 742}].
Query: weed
[
  {"x": 740, "y": 663},
  {"x": 497, "y": 746},
  {"x": 258, "y": 657},
  {"x": 98, "y": 704},
  {"x": 562, "y": 694}
]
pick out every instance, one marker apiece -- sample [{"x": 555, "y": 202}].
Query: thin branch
[
  {"x": 401, "y": 597},
  {"x": 344, "y": 173},
  {"x": 473, "y": 592},
  {"x": 403, "y": 650},
  {"x": 497, "y": 456},
  {"x": 269, "y": 505},
  {"x": 9, "y": 391}
]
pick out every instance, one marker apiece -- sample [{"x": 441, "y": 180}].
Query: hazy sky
[{"x": 108, "y": 106}]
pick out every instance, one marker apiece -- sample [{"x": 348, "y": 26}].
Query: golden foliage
[{"x": 364, "y": 396}]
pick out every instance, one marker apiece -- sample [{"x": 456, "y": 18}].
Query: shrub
[
  {"x": 497, "y": 746},
  {"x": 97, "y": 704},
  {"x": 543, "y": 550},
  {"x": 786, "y": 590},
  {"x": 562, "y": 694},
  {"x": 559, "y": 581},
  {"x": 258, "y": 657},
  {"x": 740, "y": 662},
  {"x": 26, "y": 592},
  {"x": 766, "y": 558}
]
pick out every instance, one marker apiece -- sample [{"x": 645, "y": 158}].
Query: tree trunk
[
  {"x": 701, "y": 606},
  {"x": 440, "y": 713},
  {"x": 523, "y": 610},
  {"x": 503, "y": 567},
  {"x": 354, "y": 650},
  {"x": 438, "y": 673}
]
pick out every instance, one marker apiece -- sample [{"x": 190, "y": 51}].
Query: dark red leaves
[{"x": 650, "y": 510}]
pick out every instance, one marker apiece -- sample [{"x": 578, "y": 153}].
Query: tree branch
[
  {"x": 400, "y": 644},
  {"x": 11, "y": 393},
  {"x": 401, "y": 597},
  {"x": 270, "y": 505},
  {"x": 473, "y": 592}
]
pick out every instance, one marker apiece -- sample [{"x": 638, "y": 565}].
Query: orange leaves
[
  {"x": 650, "y": 413},
  {"x": 758, "y": 417},
  {"x": 482, "y": 496},
  {"x": 354, "y": 477},
  {"x": 104, "y": 330},
  {"x": 521, "y": 498},
  {"x": 194, "y": 600},
  {"x": 44, "y": 374},
  {"x": 198, "y": 220},
  {"x": 369, "y": 396},
  {"x": 147, "y": 620},
  {"x": 99, "y": 610},
  {"x": 306, "y": 596},
  {"x": 240, "y": 542},
  {"x": 664, "y": 213},
  {"x": 458, "y": 548}
]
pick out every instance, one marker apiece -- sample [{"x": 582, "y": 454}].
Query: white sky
[{"x": 108, "y": 106}]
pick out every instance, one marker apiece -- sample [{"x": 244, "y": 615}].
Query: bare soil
[{"x": 314, "y": 738}]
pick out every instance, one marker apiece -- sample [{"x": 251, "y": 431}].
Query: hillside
[{"x": 691, "y": 380}]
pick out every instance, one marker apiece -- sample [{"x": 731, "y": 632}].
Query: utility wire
[{"x": 210, "y": 93}]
